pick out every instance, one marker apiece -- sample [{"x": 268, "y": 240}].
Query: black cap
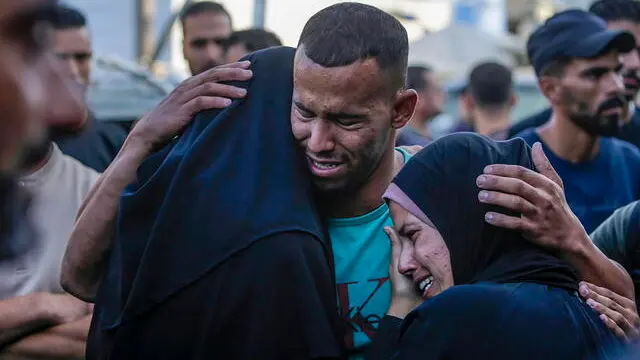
[{"x": 574, "y": 34}]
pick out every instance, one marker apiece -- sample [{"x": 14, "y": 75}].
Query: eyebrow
[
  {"x": 332, "y": 115},
  {"x": 598, "y": 70}
]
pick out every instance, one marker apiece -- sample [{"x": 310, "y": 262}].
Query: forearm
[
  {"x": 20, "y": 316},
  {"x": 66, "y": 341},
  {"x": 46, "y": 345},
  {"x": 594, "y": 267},
  {"x": 92, "y": 236}
]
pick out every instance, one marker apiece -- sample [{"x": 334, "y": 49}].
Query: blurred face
[
  {"x": 431, "y": 99},
  {"x": 631, "y": 60},
  {"x": 25, "y": 39},
  {"x": 424, "y": 257},
  {"x": 204, "y": 36},
  {"x": 73, "y": 47},
  {"x": 344, "y": 119},
  {"x": 591, "y": 94},
  {"x": 236, "y": 52}
]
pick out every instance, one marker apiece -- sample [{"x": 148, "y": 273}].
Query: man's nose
[
  {"x": 321, "y": 139},
  {"x": 631, "y": 61}
]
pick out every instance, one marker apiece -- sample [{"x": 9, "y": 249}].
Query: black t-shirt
[
  {"x": 96, "y": 146},
  {"x": 630, "y": 132}
]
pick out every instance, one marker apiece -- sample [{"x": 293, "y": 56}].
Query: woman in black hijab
[
  {"x": 511, "y": 299},
  {"x": 219, "y": 252}
]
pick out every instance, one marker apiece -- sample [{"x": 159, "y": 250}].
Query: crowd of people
[{"x": 289, "y": 203}]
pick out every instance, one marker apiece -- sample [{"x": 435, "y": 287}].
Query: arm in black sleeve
[{"x": 386, "y": 339}]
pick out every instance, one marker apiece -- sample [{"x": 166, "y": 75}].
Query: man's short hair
[
  {"x": 253, "y": 39},
  {"x": 203, "y": 7},
  {"x": 616, "y": 10},
  {"x": 415, "y": 77},
  {"x": 342, "y": 34},
  {"x": 490, "y": 84},
  {"x": 67, "y": 17}
]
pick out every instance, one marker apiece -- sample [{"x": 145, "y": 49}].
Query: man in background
[
  {"x": 431, "y": 100},
  {"x": 90, "y": 141},
  {"x": 491, "y": 99},
  {"x": 244, "y": 42},
  {"x": 619, "y": 15},
  {"x": 206, "y": 26},
  {"x": 577, "y": 61}
]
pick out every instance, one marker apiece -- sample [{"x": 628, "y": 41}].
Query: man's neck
[
  {"x": 37, "y": 163},
  {"x": 369, "y": 196},
  {"x": 567, "y": 140},
  {"x": 491, "y": 121}
]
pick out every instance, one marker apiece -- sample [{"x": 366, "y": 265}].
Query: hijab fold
[
  {"x": 234, "y": 177},
  {"x": 441, "y": 181}
]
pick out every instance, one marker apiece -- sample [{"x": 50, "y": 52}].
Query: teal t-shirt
[{"x": 361, "y": 253}]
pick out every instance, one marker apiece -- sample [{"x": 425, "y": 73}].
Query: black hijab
[
  {"x": 441, "y": 181},
  {"x": 235, "y": 176}
]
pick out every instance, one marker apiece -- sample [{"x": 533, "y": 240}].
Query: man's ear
[
  {"x": 550, "y": 87},
  {"x": 404, "y": 104}
]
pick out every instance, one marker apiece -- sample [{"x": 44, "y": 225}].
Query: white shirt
[{"x": 58, "y": 189}]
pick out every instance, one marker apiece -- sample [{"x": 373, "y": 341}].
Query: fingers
[
  {"x": 218, "y": 74},
  {"x": 509, "y": 222},
  {"x": 206, "y": 103},
  {"x": 543, "y": 165},
  {"x": 511, "y": 193},
  {"x": 213, "y": 89},
  {"x": 617, "y": 316},
  {"x": 393, "y": 238},
  {"x": 529, "y": 176},
  {"x": 619, "y": 299},
  {"x": 614, "y": 327},
  {"x": 240, "y": 65}
]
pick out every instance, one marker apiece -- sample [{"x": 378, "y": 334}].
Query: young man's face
[
  {"x": 204, "y": 36},
  {"x": 73, "y": 47},
  {"x": 25, "y": 64},
  {"x": 344, "y": 119}
]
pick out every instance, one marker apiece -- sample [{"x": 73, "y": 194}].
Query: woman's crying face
[{"x": 424, "y": 257}]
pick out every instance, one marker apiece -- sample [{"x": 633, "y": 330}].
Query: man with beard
[
  {"x": 577, "y": 61},
  {"x": 206, "y": 26},
  {"x": 349, "y": 99},
  {"x": 622, "y": 15},
  {"x": 431, "y": 99}
]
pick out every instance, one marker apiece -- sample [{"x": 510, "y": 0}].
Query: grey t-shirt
[{"x": 618, "y": 238}]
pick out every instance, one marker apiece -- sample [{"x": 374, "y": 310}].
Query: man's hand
[
  {"x": 546, "y": 217},
  {"x": 63, "y": 308},
  {"x": 547, "y": 220},
  {"x": 198, "y": 93},
  {"x": 617, "y": 312}
]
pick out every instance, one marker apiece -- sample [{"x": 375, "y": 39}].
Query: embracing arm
[
  {"x": 20, "y": 316},
  {"x": 66, "y": 341},
  {"x": 547, "y": 219},
  {"x": 92, "y": 237}
]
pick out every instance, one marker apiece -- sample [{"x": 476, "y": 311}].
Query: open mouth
[
  {"x": 425, "y": 285},
  {"x": 324, "y": 168}
]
